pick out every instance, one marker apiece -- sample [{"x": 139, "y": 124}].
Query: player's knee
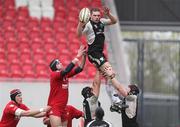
[{"x": 108, "y": 72}]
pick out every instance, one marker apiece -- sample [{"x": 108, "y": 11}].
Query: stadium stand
[{"x": 36, "y": 31}]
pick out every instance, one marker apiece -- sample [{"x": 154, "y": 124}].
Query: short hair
[
  {"x": 53, "y": 63},
  {"x": 86, "y": 92},
  {"x": 99, "y": 113},
  {"x": 94, "y": 10}
]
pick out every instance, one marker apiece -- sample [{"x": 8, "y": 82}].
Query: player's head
[
  {"x": 55, "y": 65},
  {"x": 16, "y": 95},
  {"x": 95, "y": 15},
  {"x": 133, "y": 89},
  {"x": 99, "y": 113},
  {"x": 86, "y": 92}
]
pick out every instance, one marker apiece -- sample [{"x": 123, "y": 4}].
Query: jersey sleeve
[
  {"x": 11, "y": 109},
  {"x": 86, "y": 28},
  {"x": 24, "y": 107},
  {"x": 105, "y": 21},
  {"x": 72, "y": 73}
]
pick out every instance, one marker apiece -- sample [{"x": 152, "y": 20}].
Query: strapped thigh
[{"x": 107, "y": 71}]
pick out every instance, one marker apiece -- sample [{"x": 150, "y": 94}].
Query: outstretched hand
[
  {"x": 106, "y": 10},
  {"x": 81, "y": 51}
]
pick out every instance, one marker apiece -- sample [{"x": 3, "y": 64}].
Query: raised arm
[
  {"x": 96, "y": 83},
  {"x": 80, "y": 29},
  {"x": 74, "y": 61},
  {"x": 112, "y": 20}
]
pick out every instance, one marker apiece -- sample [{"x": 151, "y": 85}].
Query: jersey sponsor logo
[
  {"x": 11, "y": 105},
  {"x": 65, "y": 86},
  {"x": 101, "y": 59}
]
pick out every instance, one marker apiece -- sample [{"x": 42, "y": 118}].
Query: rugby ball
[{"x": 84, "y": 15}]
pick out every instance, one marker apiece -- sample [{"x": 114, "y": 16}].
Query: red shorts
[{"x": 57, "y": 111}]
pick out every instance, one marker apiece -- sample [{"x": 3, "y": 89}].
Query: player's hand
[
  {"x": 46, "y": 121},
  {"x": 106, "y": 10},
  {"x": 47, "y": 109},
  {"x": 81, "y": 51}
]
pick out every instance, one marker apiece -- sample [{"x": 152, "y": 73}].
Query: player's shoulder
[{"x": 11, "y": 104}]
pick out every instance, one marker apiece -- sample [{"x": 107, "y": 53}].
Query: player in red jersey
[
  {"x": 70, "y": 113},
  {"x": 59, "y": 83},
  {"x": 15, "y": 109}
]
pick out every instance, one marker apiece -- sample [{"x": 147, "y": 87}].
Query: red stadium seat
[
  {"x": 9, "y": 32},
  {"x": 28, "y": 71},
  {"x": 2, "y": 53},
  {"x": 38, "y": 54},
  {"x": 20, "y": 22},
  {"x": 7, "y": 22},
  {"x": 12, "y": 55},
  {"x": 4, "y": 73},
  {"x": 48, "y": 46},
  {"x": 47, "y": 32},
  {"x": 8, "y": 3},
  {"x": 25, "y": 56},
  {"x": 33, "y": 22},
  {"x": 61, "y": 46},
  {"x": 42, "y": 74},
  {"x": 65, "y": 59},
  {"x": 46, "y": 22},
  {"x": 36, "y": 46},
  {"x": 11, "y": 11},
  {"x": 35, "y": 32},
  {"x": 23, "y": 11},
  {"x": 16, "y": 74},
  {"x": 22, "y": 32}
]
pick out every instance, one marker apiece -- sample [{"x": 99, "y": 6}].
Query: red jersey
[
  {"x": 71, "y": 112},
  {"x": 9, "y": 119},
  {"x": 58, "y": 96}
]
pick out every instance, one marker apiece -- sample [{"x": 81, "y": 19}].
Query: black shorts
[{"x": 97, "y": 58}]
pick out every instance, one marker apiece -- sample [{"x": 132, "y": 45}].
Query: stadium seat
[
  {"x": 65, "y": 59},
  {"x": 12, "y": 55},
  {"x": 8, "y": 3},
  {"x": 35, "y": 32},
  {"x": 15, "y": 71},
  {"x": 23, "y": 11},
  {"x": 38, "y": 54},
  {"x": 42, "y": 74},
  {"x": 47, "y": 32},
  {"x": 20, "y": 22},
  {"x": 28, "y": 71},
  {"x": 33, "y": 22},
  {"x": 10, "y": 11},
  {"x": 48, "y": 46},
  {"x": 45, "y": 22},
  {"x": 25, "y": 56},
  {"x": 4, "y": 73}
]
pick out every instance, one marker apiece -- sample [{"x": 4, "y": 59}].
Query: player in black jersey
[
  {"x": 94, "y": 31},
  {"x": 90, "y": 102},
  {"x": 98, "y": 121}
]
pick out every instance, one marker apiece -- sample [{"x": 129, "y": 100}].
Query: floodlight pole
[
  {"x": 140, "y": 79},
  {"x": 179, "y": 85}
]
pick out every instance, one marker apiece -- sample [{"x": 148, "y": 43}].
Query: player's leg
[
  {"x": 107, "y": 70},
  {"x": 117, "y": 101},
  {"x": 55, "y": 121}
]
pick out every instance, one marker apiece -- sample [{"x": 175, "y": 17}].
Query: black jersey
[
  {"x": 89, "y": 107},
  {"x": 98, "y": 44}
]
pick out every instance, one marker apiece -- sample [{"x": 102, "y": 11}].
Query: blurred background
[{"x": 143, "y": 48}]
